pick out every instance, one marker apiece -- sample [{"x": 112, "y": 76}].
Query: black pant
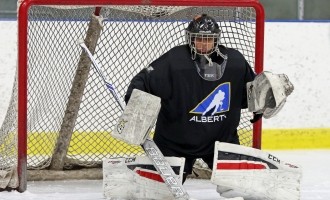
[
  {"x": 188, "y": 166},
  {"x": 189, "y": 163}
]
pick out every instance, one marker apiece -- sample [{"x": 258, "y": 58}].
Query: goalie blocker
[
  {"x": 139, "y": 117},
  {"x": 252, "y": 173}
]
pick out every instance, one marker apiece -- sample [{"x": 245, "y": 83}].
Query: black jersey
[{"x": 195, "y": 112}]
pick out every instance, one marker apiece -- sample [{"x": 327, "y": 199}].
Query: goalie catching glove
[{"x": 267, "y": 93}]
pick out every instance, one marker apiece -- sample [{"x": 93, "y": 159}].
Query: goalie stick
[{"x": 149, "y": 146}]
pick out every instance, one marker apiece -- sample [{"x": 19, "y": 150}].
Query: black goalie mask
[{"x": 203, "y": 38}]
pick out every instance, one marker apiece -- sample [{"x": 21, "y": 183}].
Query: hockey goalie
[
  {"x": 201, "y": 88},
  {"x": 239, "y": 172}
]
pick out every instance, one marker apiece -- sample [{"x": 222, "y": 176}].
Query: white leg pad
[
  {"x": 252, "y": 173},
  {"x": 136, "y": 178}
]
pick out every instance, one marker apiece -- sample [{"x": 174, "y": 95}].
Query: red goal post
[{"x": 242, "y": 22}]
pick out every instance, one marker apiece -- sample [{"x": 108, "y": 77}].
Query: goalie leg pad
[
  {"x": 252, "y": 173},
  {"x": 137, "y": 178},
  {"x": 138, "y": 118}
]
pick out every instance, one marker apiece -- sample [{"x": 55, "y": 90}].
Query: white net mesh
[{"x": 132, "y": 37}]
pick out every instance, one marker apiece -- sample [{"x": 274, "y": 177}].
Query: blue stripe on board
[{"x": 8, "y": 19}]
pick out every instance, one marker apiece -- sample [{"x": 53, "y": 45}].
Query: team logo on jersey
[{"x": 217, "y": 102}]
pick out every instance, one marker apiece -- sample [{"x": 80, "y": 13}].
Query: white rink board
[{"x": 301, "y": 50}]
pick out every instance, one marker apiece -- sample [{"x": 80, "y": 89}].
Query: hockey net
[{"x": 131, "y": 37}]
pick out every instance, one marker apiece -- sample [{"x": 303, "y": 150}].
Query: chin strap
[
  {"x": 193, "y": 51},
  {"x": 225, "y": 57}
]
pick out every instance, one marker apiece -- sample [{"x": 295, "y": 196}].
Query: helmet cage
[{"x": 204, "y": 37}]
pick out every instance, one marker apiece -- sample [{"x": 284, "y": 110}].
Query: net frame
[{"x": 23, "y": 60}]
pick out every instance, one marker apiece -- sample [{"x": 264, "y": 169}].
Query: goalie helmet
[
  {"x": 203, "y": 38},
  {"x": 203, "y": 28}
]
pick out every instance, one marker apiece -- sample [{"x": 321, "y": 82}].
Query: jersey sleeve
[
  {"x": 249, "y": 76},
  {"x": 154, "y": 79}
]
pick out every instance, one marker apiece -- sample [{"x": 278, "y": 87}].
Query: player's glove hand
[{"x": 256, "y": 117}]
